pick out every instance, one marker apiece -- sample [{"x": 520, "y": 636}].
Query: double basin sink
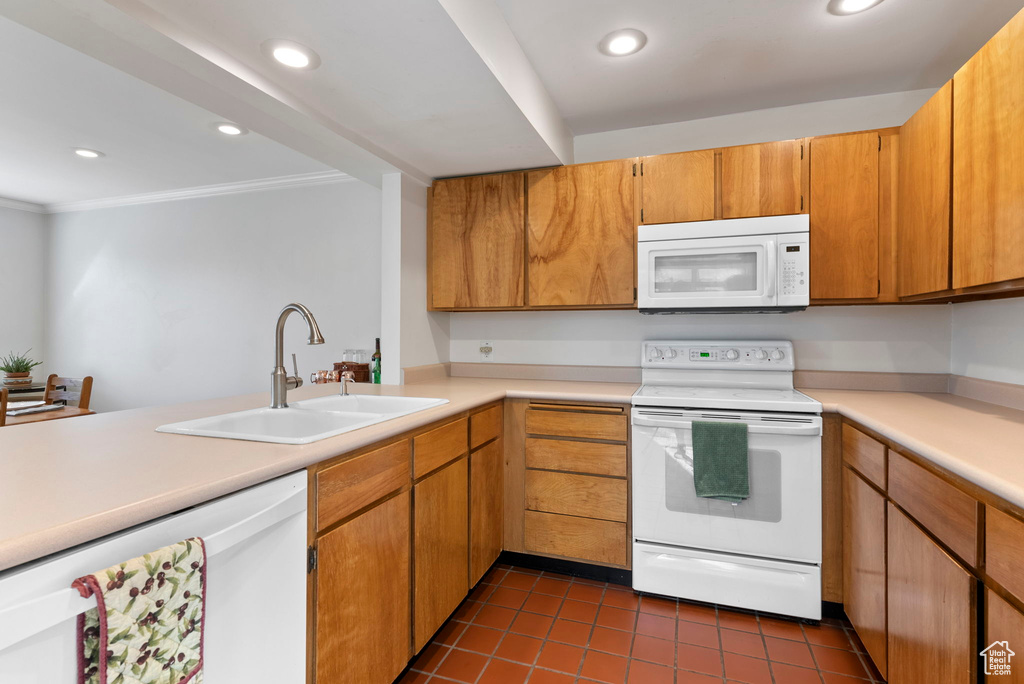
[{"x": 306, "y": 421}]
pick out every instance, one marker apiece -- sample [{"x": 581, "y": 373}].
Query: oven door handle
[{"x": 759, "y": 429}]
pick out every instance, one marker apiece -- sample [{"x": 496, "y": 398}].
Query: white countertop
[{"x": 65, "y": 482}]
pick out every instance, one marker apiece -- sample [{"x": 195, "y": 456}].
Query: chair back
[
  {"x": 3, "y": 406},
  {"x": 70, "y": 391}
]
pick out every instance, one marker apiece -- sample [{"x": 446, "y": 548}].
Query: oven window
[
  {"x": 726, "y": 272},
  {"x": 764, "y": 504}
]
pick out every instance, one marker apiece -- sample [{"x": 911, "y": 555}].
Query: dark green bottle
[{"x": 375, "y": 364}]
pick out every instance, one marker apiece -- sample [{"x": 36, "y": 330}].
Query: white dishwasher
[{"x": 256, "y": 590}]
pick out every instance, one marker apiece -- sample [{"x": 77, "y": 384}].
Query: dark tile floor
[{"x": 526, "y": 626}]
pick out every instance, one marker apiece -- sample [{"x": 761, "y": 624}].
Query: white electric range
[{"x": 763, "y": 553}]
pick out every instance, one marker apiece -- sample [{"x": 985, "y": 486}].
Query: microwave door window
[{"x": 710, "y": 273}]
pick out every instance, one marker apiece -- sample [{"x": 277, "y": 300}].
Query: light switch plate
[{"x": 486, "y": 351}]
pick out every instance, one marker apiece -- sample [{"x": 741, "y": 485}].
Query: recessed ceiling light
[
  {"x": 291, "y": 54},
  {"x": 844, "y": 7},
  {"x": 232, "y": 129},
  {"x": 623, "y": 42},
  {"x": 87, "y": 153}
]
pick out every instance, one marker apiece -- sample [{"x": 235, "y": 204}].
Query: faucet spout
[{"x": 281, "y": 381}]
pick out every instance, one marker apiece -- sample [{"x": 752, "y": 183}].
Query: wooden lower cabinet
[
  {"x": 1003, "y": 623},
  {"x": 362, "y": 597},
  {"x": 600, "y": 541},
  {"x": 441, "y": 541},
  {"x": 864, "y": 553},
  {"x": 932, "y": 609},
  {"x": 486, "y": 488}
]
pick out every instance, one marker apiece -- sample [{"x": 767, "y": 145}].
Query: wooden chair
[
  {"x": 68, "y": 390},
  {"x": 3, "y": 407}
]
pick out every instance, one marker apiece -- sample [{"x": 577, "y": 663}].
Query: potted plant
[{"x": 17, "y": 367}]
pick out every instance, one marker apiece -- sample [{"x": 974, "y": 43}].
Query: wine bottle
[{"x": 375, "y": 364}]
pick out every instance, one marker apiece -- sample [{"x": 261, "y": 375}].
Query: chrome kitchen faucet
[{"x": 281, "y": 382}]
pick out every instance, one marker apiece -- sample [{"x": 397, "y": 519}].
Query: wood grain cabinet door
[
  {"x": 362, "y": 597},
  {"x": 1003, "y": 622},
  {"x": 932, "y": 610},
  {"x": 678, "y": 187},
  {"x": 581, "y": 233},
  {"x": 764, "y": 180},
  {"x": 440, "y": 548},
  {"x": 476, "y": 242},
  {"x": 988, "y": 161},
  {"x": 844, "y": 216},
  {"x": 486, "y": 487},
  {"x": 864, "y": 564},
  {"x": 923, "y": 234}
]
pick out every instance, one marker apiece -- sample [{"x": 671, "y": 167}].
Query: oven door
[
  {"x": 781, "y": 519},
  {"x": 703, "y": 273}
]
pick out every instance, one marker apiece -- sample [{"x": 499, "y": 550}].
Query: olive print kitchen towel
[{"x": 147, "y": 627}]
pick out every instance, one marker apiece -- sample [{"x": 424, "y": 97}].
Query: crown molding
[
  {"x": 7, "y": 203},
  {"x": 298, "y": 180}
]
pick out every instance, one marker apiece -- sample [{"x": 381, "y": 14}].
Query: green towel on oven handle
[{"x": 720, "y": 461}]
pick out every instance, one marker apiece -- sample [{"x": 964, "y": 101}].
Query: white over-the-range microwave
[{"x": 727, "y": 266}]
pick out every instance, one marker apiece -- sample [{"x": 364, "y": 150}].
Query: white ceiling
[
  {"x": 711, "y": 57},
  {"x": 55, "y": 99},
  {"x": 398, "y": 73}
]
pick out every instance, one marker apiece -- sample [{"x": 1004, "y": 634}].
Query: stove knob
[
  {"x": 732, "y": 355},
  {"x": 760, "y": 355},
  {"x": 778, "y": 355},
  {"x": 655, "y": 353},
  {"x": 670, "y": 353}
]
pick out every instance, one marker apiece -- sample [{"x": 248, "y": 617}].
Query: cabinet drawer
[
  {"x": 864, "y": 454},
  {"x": 1004, "y": 550},
  {"x": 578, "y": 457},
  {"x": 608, "y": 426},
  {"x": 484, "y": 426},
  {"x": 563, "y": 535},
  {"x": 941, "y": 508},
  {"x": 581, "y": 495},
  {"x": 433, "y": 449},
  {"x": 343, "y": 489}
]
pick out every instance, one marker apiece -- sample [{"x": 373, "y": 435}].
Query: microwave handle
[{"x": 771, "y": 272}]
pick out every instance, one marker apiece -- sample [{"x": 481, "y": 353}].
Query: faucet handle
[{"x": 295, "y": 365}]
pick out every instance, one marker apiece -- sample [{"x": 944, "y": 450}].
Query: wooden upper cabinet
[
  {"x": 988, "y": 161},
  {"x": 764, "y": 180},
  {"x": 844, "y": 216},
  {"x": 932, "y": 608},
  {"x": 678, "y": 187},
  {"x": 924, "y": 197},
  {"x": 581, "y": 235},
  {"x": 476, "y": 242}
]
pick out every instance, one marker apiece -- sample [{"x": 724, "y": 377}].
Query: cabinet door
[
  {"x": 988, "y": 161},
  {"x": 844, "y": 216},
  {"x": 440, "y": 548},
  {"x": 486, "y": 468},
  {"x": 1003, "y": 623},
  {"x": 763, "y": 180},
  {"x": 924, "y": 212},
  {"x": 582, "y": 237},
  {"x": 476, "y": 242},
  {"x": 864, "y": 564},
  {"x": 678, "y": 187},
  {"x": 931, "y": 610},
  {"x": 362, "y": 597}
]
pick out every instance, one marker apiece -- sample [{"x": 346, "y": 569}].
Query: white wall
[
  {"x": 23, "y": 245},
  {"x": 412, "y": 336},
  {"x": 780, "y": 123},
  {"x": 913, "y": 339},
  {"x": 988, "y": 340},
  {"x": 170, "y": 302}
]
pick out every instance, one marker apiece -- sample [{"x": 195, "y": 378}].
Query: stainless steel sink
[{"x": 305, "y": 421}]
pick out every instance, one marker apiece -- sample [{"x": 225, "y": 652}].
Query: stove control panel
[{"x": 768, "y": 354}]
